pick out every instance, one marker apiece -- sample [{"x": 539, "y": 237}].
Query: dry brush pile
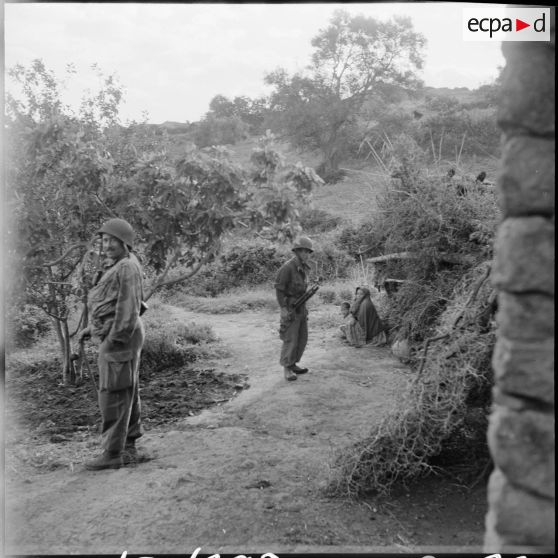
[{"x": 445, "y": 309}]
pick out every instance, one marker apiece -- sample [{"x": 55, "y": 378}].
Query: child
[{"x": 351, "y": 330}]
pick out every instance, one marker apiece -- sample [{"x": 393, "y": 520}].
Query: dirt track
[{"x": 244, "y": 477}]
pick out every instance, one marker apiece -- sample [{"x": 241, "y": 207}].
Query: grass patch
[
  {"x": 171, "y": 342},
  {"x": 233, "y": 302}
]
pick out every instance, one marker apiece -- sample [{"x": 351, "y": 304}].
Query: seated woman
[
  {"x": 351, "y": 330},
  {"x": 365, "y": 314}
]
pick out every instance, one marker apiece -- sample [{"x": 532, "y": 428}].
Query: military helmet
[
  {"x": 302, "y": 242},
  {"x": 119, "y": 229}
]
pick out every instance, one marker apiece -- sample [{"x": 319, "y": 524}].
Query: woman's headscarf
[{"x": 365, "y": 290}]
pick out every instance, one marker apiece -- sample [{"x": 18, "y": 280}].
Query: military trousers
[
  {"x": 119, "y": 399},
  {"x": 294, "y": 334}
]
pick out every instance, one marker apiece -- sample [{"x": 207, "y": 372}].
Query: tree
[
  {"x": 352, "y": 56},
  {"x": 250, "y": 111},
  {"x": 56, "y": 165},
  {"x": 68, "y": 173},
  {"x": 183, "y": 208}
]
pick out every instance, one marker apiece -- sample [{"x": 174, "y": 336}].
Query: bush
[
  {"x": 354, "y": 239},
  {"x": 169, "y": 342},
  {"x": 250, "y": 265},
  {"x": 219, "y": 131},
  {"x": 444, "y": 232},
  {"x": 329, "y": 263},
  {"x": 452, "y": 129},
  {"x": 253, "y": 264},
  {"x": 314, "y": 221},
  {"x": 26, "y": 325},
  {"x": 442, "y": 417},
  {"x": 243, "y": 265}
]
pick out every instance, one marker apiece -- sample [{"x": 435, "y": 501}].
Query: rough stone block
[
  {"x": 526, "y": 181},
  {"x": 524, "y": 256},
  {"x": 527, "y": 100},
  {"x": 517, "y": 516},
  {"x": 525, "y": 317},
  {"x": 525, "y": 368},
  {"x": 522, "y": 446}
]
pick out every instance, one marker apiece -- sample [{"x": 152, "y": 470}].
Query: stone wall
[{"x": 521, "y": 494}]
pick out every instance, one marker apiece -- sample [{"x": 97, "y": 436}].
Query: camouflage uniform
[
  {"x": 114, "y": 307},
  {"x": 290, "y": 284}
]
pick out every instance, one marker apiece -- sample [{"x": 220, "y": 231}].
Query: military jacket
[
  {"x": 114, "y": 303},
  {"x": 291, "y": 282}
]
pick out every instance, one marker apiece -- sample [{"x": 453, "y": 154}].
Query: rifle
[
  {"x": 296, "y": 305},
  {"x": 306, "y": 296}
]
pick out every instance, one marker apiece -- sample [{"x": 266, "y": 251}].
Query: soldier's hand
[{"x": 285, "y": 313}]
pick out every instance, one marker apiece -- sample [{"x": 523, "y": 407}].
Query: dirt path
[{"x": 244, "y": 477}]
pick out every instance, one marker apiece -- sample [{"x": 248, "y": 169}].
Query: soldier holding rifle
[{"x": 290, "y": 288}]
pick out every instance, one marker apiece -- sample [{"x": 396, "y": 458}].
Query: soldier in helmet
[
  {"x": 114, "y": 309},
  {"x": 291, "y": 283}
]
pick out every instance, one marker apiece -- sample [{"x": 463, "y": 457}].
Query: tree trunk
[
  {"x": 63, "y": 334},
  {"x": 69, "y": 373}
]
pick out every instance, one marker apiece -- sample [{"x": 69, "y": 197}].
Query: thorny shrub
[
  {"x": 440, "y": 422},
  {"x": 446, "y": 232},
  {"x": 444, "y": 228}
]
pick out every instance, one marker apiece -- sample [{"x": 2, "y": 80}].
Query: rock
[{"x": 401, "y": 349}]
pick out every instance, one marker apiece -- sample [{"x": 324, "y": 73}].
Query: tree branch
[
  {"x": 160, "y": 284},
  {"x": 65, "y": 255},
  {"x": 470, "y": 300},
  {"x": 445, "y": 258},
  {"x": 395, "y": 256},
  {"x": 101, "y": 202}
]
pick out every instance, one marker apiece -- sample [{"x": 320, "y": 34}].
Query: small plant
[{"x": 172, "y": 343}]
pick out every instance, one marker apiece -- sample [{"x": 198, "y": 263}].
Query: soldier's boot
[
  {"x": 289, "y": 374},
  {"x": 297, "y": 370},
  {"x": 106, "y": 460},
  {"x": 130, "y": 453}
]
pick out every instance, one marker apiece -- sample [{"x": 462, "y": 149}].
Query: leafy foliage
[
  {"x": 352, "y": 57},
  {"x": 224, "y": 130},
  {"x": 26, "y": 325},
  {"x": 67, "y": 173},
  {"x": 57, "y": 165},
  {"x": 250, "y": 112}
]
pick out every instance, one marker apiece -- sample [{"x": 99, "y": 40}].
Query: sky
[{"x": 172, "y": 59}]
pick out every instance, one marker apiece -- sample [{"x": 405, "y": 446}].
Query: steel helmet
[
  {"x": 303, "y": 242},
  {"x": 119, "y": 229}
]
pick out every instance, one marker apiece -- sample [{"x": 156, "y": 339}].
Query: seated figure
[
  {"x": 364, "y": 312},
  {"x": 351, "y": 330}
]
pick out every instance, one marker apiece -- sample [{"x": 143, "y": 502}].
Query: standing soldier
[
  {"x": 114, "y": 310},
  {"x": 290, "y": 284}
]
